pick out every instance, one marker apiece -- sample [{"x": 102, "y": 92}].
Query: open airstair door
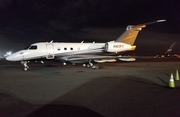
[{"x": 49, "y": 51}]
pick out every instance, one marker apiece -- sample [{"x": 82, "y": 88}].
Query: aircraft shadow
[
  {"x": 134, "y": 79},
  {"x": 51, "y": 110},
  {"x": 14, "y": 107}
]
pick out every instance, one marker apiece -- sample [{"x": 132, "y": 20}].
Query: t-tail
[
  {"x": 131, "y": 33},
  {"x": 170, "y": 48}
]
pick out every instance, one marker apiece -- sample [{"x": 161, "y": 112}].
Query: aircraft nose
[
  {"x": 9, "y": 58},
  {"x": 12, "y": 57}
]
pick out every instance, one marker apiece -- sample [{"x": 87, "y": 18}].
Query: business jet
[
  {"x": 168, "y": 52},
  {"x": 89, "y": 54}
]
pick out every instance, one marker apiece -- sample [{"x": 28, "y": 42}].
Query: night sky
[{"x": 23, "y": 22}]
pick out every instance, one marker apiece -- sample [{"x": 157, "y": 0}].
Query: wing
[{"x": 96, "y": 58}]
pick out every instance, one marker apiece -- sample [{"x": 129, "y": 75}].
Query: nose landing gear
[{"x": 24, "y": 63}]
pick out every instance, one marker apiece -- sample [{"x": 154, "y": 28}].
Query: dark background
[{"x": 23, "y": 22}]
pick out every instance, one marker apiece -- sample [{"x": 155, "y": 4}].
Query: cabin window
[
  {"x": 58, "y": 49},
  {"x": 71, "y": 48},
  {"x": 65, "y": 48},
  {"x": 33, "y": 47}
]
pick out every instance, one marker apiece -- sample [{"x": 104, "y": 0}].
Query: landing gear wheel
[
  {"x": 25, "y": 69},
  {"x": 84, "y": 65},
  {"x": 64, "y": 63},
  {"x": 95, "y": 67},
  {"x": 88, "y": 65}
]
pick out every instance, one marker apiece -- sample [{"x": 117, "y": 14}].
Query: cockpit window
[
  {"x": 33, "y": 47},
  {"x": 27, "y": 47}
]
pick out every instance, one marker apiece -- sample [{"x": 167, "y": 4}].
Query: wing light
[{"x": 133, "y": 47}]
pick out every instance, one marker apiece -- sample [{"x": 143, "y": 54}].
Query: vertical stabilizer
[
  {"x": 170, "y": 48},
  {"x": 130, "y": 35}
]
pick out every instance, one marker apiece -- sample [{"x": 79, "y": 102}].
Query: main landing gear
[{"x": 92, "y": 64}]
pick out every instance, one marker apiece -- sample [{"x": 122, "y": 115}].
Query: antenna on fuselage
[
  {"x": 51, "y": 41},
  {"x": 82, "y": 41}
]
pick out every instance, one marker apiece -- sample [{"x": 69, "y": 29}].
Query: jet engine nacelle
[{"x": 117, "y": 47}]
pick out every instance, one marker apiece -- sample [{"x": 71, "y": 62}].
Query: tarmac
[{"x": 121, "y": 89}]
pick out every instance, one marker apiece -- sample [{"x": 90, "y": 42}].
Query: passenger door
[{"x": 49, "y": 51}]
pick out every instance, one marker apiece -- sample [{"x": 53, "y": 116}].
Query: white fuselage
[
  {"x": 45, "y": 50},
  {"x": 51, "y": 50}
]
